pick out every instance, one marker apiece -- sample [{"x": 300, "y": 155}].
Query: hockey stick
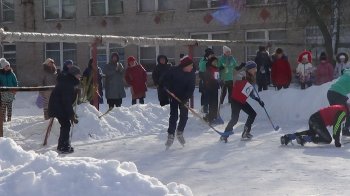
[
  {"x": 48, "y": 131},
  {"x": 268, "y": 116},
  {"x": 109, "y": 109},
  {"x": 225, "y": 134}
]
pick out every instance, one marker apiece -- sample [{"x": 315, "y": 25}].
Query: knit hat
[
  {"x": 185, "y": 61},
  {"x": 305, "y": 54},
  {"x": 250, "y": 65},
  {"x": 208, "y": 52},
  {"x": 4, "y": 62},
  {"x": 226, "y": 49},
  {"x": 131, "y": 59},
  {"x": 74, "y": 70},
  {"x": 67, "y": 62},
  {"x": 323, "y": 56}
]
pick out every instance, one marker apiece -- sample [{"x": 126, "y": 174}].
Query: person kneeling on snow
[
  {"x": 242, "y": 89},
  {"x": 179, "y": 82},
  {"x": 318, "y": 133},
  {"x": 61, "y": 103}
]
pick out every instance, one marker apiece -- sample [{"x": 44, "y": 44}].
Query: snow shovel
[{"x": 225, "y": 134}]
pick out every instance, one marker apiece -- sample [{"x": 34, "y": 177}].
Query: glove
[
  {"x": 74, "y": 120},
  {"x": 337, "y": 144},
  {"x": 240, "y": 66},
  {"x": 261, "y": 103},
  {"x": 185, "y": 102}
]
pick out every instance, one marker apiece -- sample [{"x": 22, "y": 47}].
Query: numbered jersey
[{"x": 241, "y": 90}]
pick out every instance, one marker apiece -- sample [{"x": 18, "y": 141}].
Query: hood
[{"x": 162, "y": 56}]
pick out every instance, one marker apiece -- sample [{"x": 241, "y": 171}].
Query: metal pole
[{"x": 190, "y": 54}]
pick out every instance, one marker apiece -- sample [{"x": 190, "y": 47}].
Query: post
[
  {"x": 190, "y": 54},
  {"x": 94, "y": 73}
]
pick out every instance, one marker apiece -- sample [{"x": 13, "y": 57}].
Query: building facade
[{"x": 255, "y": 22}]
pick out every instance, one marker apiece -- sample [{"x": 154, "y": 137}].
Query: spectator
[
  {"x": 324, "y": 72},
  {"x": 202, "y": 68},
  {"x": 342, "y": 63},
  {"x": 281, "y": 73},
  {"x": 136, "y": 77},
  {"x": 49, "y": 78},
  {"x": 161, "y": 68},
  {"x": 264, "y": 63},
  {"x": 305, "y": 69}
]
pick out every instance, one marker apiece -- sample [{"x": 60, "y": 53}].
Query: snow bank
[{"x": 28, "y": 173}]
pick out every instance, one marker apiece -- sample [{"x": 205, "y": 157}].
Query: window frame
[
  {"x": 60, "y": 11},
  {"x": 2, "y": 12},
  {"x": 156, "y": 7},
  {"x": 3, "y": 53},
  {"x": 106, "y": 11},
  {"x": 107, "y": 48},
  {"x": 267, "y": 3},
  {"x": 209, "y": 7},
  {"x": 61, "y": 50}
]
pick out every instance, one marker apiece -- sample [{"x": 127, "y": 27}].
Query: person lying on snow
[{"x": 317, "y": 133}]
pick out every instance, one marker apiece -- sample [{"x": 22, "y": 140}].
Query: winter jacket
[
  {"x": 136, "y": 77},
  {"x": 88, "y": 81},
  {"x": 8, "y": 79},
  {"x": 160, "y": 70},
  {"x": 281, "y": 73},
  {"x": 63, "y": 97},
  {"x": 226, "y": 66},
  {"x": 203, "y": 64},
  {"x": 339, "y": 67},
  {"x": 241, "y": 90},
  {"x": 324, "y": 73},
  {"x": 211, "y": 80},
  {"x": 304, "y": 72},
  {"x": 264, "y": 63},
  {"x": 114, "y": 83},
  {"x": 49, "y": 78},
  {"x": 342, "y": 85},
  {"x": 180, "y": 83}
]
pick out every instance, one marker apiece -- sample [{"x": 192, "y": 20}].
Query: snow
[{"x": 118, "y": 154}]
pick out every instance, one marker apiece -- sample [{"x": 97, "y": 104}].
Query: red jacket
[
  {"x": 324, "y": 73},
  {"x": 281, "y": 73},
  {"x": 241, "y": 90},
  {"x": 328, "y": 114},
  {"x": 136, "y": 77}
]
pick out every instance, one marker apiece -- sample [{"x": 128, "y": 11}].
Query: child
[
  {"x": 179, "y": 80},
  {"x": 211, "y": 83},
  {"x": 333, "y": 115},
  {"x": 7, "y": 79},
  {"x": 136, "y": 77},
  {"x": 242, "y": 89},
  {"x": 305, "y": 69}
]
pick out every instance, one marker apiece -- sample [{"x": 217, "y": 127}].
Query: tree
[{"x": 326, "y": 14}]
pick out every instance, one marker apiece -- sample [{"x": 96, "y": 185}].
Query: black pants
[
  {"x": 63, "y": 140},
  {"x": 262, "y": 81},
  {"x": 175, "y": 106},
  {"x": 141, "y": 101},
  {"x": 163, "y": 97},
  {"x": 213, "y": 105},
  {"x": 236, "y": 108},
  {"x": 317, "y": 130},
  {"x": 226, "y": 87},
  {"x": 335, "y": 98},
  {"x": 114, "y": 102},
  {"x": 305, "y": 85}
]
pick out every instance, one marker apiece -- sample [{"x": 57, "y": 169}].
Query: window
[
  {"x": 264, "y": 2},
  {"x": 264, "y": 36},
  {"x": 60, "y": 52},
  {"x": 206, "y": 4},
  {"x": 148, "y": 55},
  {"x": 9, "y": 53},
  {"x": 7, "y": 11},
  {"x": 59, "y": 9},
  {"x": 155, "y": 5},
  {"x": 106, "y": 7},
  {"x": 198, "y": 51},
  {"x": 104, "y": 52}
]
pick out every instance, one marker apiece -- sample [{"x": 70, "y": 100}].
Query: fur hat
[
  {"x": 4, "y": 62},
  {"x": 74, "y": 70},
  {"x": 185, "y": 61},
  {"x": 305, "y": 54},
  {"x": 226, "y": 49}
]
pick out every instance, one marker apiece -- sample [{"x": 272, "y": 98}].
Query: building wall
[{"x": 180, "y": 22}]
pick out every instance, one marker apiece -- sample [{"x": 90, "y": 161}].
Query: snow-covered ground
[{"x": 117, "y": 154}]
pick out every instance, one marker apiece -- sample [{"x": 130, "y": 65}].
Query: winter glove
[
  {"x": 74, "y": 120},
  {"x": 240, "y": 66},
  {"x": 337, "y": 144}
]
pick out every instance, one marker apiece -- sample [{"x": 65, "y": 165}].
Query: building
[{"x": 270, "y": 22}]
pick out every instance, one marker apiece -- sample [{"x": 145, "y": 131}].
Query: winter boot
[
  {"x": 224, "y": 138},
  {"x": 204, "y": 109},
  {"x": 65, "y": 149},
  {"x": 170, "y": 141},
  {"x": 300, "y": 140},
  {"x": 180, "y": 137},
  {"x": 286, "y": 139},
  {"x": 246, "y": 133}
]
